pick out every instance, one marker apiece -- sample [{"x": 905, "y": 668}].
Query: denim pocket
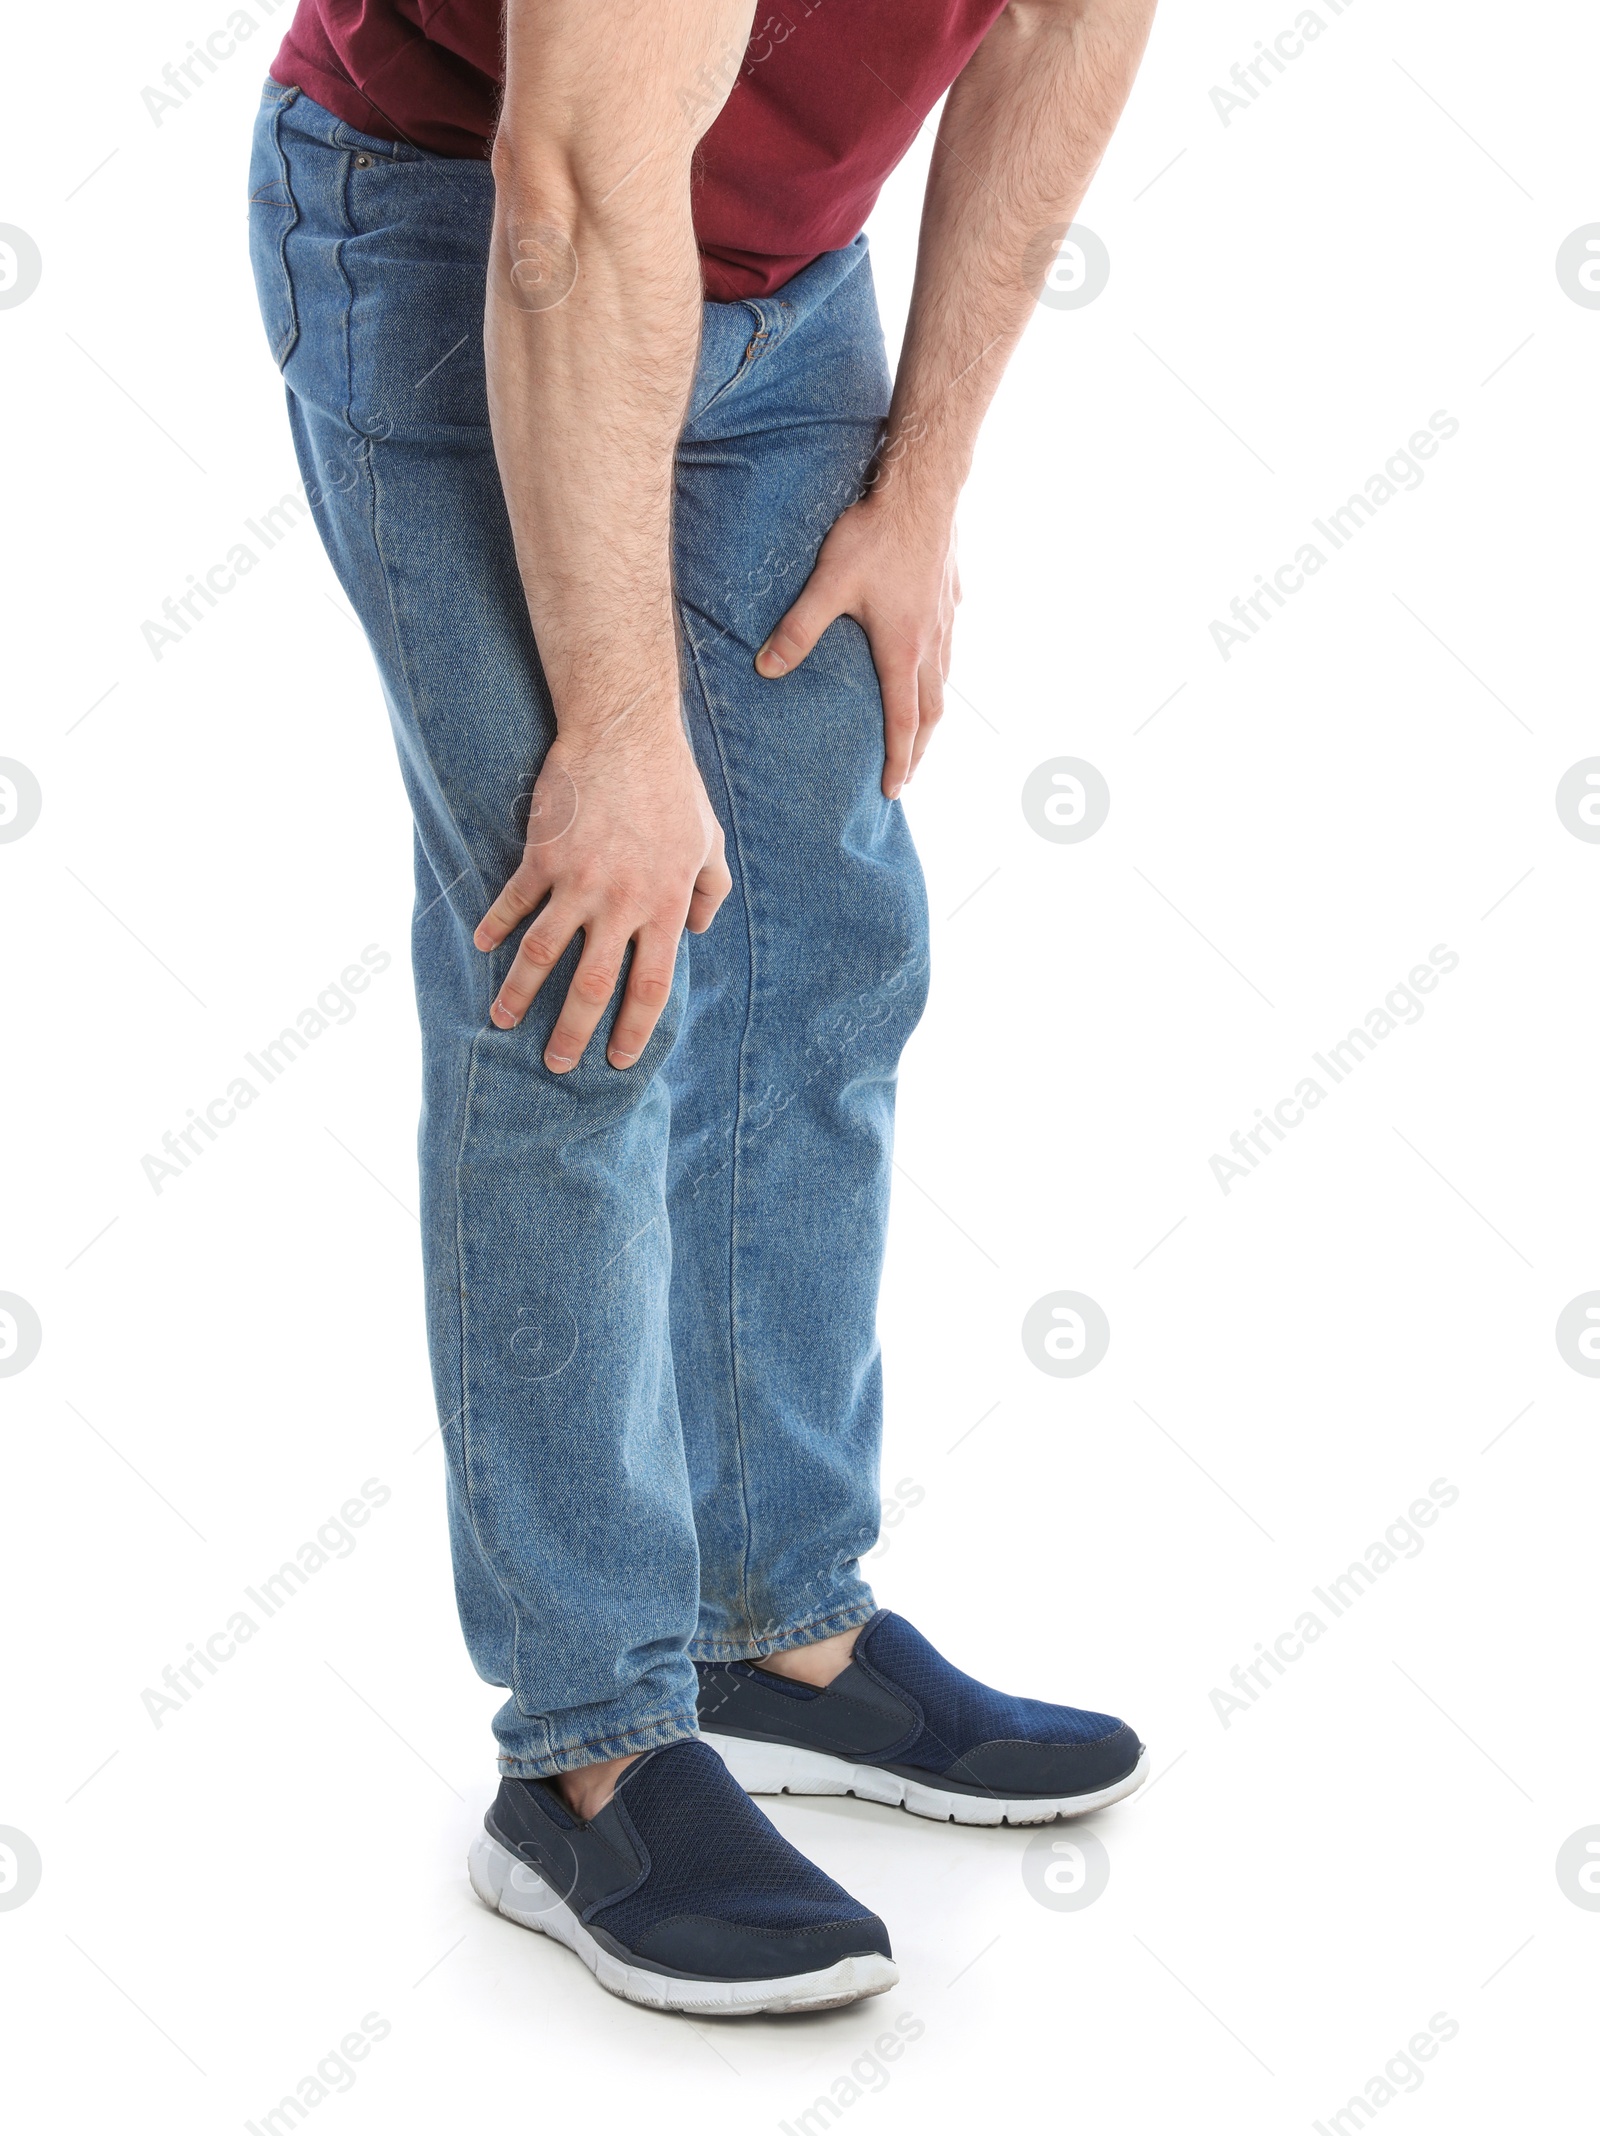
[{"x": 273, "y": 215}]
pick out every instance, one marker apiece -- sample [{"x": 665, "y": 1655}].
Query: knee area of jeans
[
  {"x": 592, "y": 1084},
  {"x": 879, "y": 971}
]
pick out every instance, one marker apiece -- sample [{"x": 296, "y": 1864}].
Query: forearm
[
  {"x": 1023, "y": 131},
  {"x": 584, "y": 432},
  {"x": 592, "y": 326}
]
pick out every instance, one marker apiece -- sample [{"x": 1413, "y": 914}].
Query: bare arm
[
  {"x": 591, "y": 331},
  {"x": 1023, "y": 131}
]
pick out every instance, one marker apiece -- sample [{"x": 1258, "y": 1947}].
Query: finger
[
  {"x": 818, "y": 605},
  {"x": 540, "y": 948},
  {"x": 897, "y": 680},
  {"x": 655, "y": 953},
  {"x": 593, "y": 984},
  {"x": 930, "y": 710},
  {"x": 521, "y": 895},
  {"x": 712, "y": 885}
]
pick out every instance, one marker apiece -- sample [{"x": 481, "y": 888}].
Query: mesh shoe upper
[
  {"x": 714, "y": 1855},
  {"x": 959, "y": 1713},
  {"x": 900, "y": 1704}
]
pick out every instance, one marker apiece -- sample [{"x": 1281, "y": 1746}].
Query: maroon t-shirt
[{"x": 829, "y": 96}]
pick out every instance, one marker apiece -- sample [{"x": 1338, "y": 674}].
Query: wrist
[
  {"x": 650, "y": 721},
  {"x": 917, "y": 476},
  {"x": 913, "y": 506}
]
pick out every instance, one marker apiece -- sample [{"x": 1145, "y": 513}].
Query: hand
[
  {"x": 893, "y": 568},
  {"x": 622, "y": 843}
]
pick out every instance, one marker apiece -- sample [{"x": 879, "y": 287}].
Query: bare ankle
[
  {"x": 588, "y": 1788},
  {"x": 817, "y": 1664}
]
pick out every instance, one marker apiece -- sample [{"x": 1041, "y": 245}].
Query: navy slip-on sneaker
[
  {"x": 679, "y": 1894},
  {"x": 900, "y": 1725}
]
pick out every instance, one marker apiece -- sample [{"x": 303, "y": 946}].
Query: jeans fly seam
[
  {"x": 751, "y": 350},
  {"x": 738, "y": 1112}
]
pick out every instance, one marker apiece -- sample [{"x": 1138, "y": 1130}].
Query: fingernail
[
  {"x": 477, "y": 939},
  {"x": 896, "y": 791},
  {"x": 557, "y": 1063},
  {"x": 502, "y": 1018},
  {"x": 623, "y": 1060},
  {"x": 775, "y": 663}
]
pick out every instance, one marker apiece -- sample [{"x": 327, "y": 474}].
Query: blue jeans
[{"x": 651, "y": 1294}]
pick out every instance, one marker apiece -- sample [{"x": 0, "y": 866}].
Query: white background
[{"x": 1373, "y": 1840}]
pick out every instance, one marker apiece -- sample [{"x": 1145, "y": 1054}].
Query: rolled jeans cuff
[
  {"x": 804, "y": 1631},
  {"x": 548, "y": 1751}
]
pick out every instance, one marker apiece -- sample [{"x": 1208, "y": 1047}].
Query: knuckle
[
  {"x": 537, "y": 951},
  {"x": 594, "y": 985}
]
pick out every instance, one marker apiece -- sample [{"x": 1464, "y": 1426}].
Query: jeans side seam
[
  {"x": 738, "y": 1114},
  {"x": 403, "y": 667}
]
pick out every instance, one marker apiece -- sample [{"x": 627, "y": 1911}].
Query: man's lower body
[{"x": 651, "y": 1293}]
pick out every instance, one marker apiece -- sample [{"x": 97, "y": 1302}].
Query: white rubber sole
[
  {"x": 778, "y": 1769},
  {"x": 508, "y": 1886}
]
